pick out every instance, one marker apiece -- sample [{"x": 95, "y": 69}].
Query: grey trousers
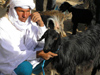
[{"x": 50, "y": 5}]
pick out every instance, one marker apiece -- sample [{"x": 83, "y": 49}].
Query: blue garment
[
  {"x": 38, "y": 68},
  {"x": 25, "y": 68}
]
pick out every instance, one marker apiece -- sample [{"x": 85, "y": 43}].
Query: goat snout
[{"x": 45, "y": 50}]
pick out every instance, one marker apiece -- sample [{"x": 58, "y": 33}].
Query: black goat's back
[
  {"x": 76, "y": 49},
  {"x": 81, "y": 16}
]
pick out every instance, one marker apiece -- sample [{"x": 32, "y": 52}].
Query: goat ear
[
  {"x": 41, "y": 38},
  {"x": 44, "y": 36}
]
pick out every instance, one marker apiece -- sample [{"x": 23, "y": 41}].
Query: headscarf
[{"x": 13, "y": 17}]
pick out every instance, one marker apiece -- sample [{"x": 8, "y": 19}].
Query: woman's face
[{"x": 23, "y": 14}]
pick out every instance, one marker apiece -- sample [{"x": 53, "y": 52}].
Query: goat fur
[
  {"x": 54, "y": 20},
  {"x": 74, "y": 49},
  {"x": 78, "y": 15}
]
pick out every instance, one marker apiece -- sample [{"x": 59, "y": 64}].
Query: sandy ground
[{"x": 68, "y": 27}]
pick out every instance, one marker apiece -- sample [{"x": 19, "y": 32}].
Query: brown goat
[{"x": 57, "y": 18}]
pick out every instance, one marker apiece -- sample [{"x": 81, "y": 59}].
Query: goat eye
[{"x": 55, "y": 38}]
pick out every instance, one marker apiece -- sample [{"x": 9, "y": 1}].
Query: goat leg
[{"x": 74, "y": 28}]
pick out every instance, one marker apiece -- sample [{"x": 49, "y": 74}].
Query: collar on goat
[
  {"x": 58, "y": 48},
  {"x": 45, "y": 60}
]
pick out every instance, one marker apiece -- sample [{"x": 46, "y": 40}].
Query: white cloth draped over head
[
  {"x": 19, "y": 3},
  {"x": 13, "y": 17}
]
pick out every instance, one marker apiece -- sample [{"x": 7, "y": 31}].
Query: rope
[
  {"x": 44, "y": 63},
  {"x": 43, "y": 67}
]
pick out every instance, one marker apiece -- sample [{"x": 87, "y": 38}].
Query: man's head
[
  {"x": 20, "y": 10},
  {"x": 23, "y": 13}
]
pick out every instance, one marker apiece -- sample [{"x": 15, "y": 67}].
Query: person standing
[{"x": 50, "y": 5}]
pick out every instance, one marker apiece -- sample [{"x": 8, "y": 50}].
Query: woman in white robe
[{"x": 18, "y": 39}]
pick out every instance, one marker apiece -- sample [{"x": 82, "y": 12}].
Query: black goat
[
  {"x": 78, "y": 15},
  {"x": 73, "y": 50}
]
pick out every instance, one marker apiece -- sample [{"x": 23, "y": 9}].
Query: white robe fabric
[{"x": 17, "y": 46}]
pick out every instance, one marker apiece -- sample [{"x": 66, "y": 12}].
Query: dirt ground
[{"x": 67, "y": 26}]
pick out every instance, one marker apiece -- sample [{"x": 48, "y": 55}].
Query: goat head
[{"x": 52, "y": 40}]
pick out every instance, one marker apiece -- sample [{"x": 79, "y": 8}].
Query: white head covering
[
  {"x": 19, "y": 3},
  {"x": 13, "y": 17}
]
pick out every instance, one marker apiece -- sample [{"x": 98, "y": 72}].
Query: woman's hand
[
  {"x": 46, "y": 56},
  {"x": 35, "y": 17}
]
